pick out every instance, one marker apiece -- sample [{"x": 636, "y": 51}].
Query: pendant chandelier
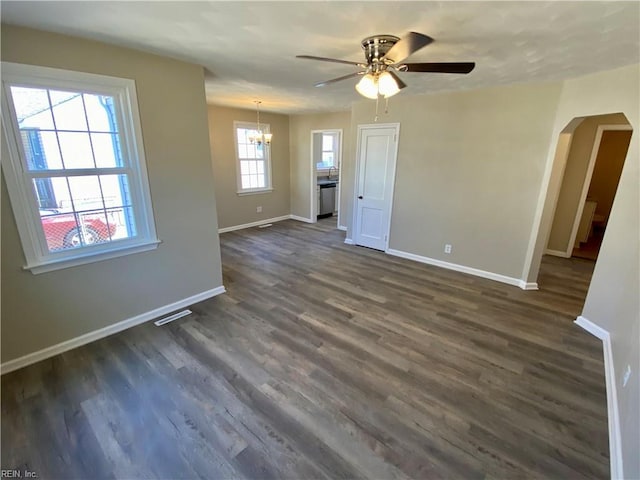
[{"x": 258, "y": 136}]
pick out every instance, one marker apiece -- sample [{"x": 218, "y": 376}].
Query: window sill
[
  {"x": 242, "y": 193},
  {"x": 90, "y": 257}
]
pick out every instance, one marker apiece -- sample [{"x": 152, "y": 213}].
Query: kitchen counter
[{"x": 324, "y": 182}]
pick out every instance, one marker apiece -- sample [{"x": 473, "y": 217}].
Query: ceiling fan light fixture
[
  {"x": 387, "y": 85},
  {"x": 368, "y": 86}
]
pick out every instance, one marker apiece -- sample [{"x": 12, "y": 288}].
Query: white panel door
[{"x": 377, "y": 150}]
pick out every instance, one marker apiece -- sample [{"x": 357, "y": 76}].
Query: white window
[
  {"x": 329, "y": 151},
  {"x": 76, "y": 173},
  {"x": 253, "y": 162}
]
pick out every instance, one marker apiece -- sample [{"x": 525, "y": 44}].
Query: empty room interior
[{"x": 320, "y": 239}]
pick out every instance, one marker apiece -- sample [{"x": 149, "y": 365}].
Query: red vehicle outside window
[{"x": 64, "y": 230}]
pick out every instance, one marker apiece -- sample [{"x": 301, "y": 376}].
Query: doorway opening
[
  {"x": 594, "y": 150},
  {"x": 326, "y": 156}
]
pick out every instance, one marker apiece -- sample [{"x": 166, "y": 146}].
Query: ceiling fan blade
[
  {"x": 447, "y": 67},
  {"x": 334, "y": 80},
  {"x": 333, "y": 60},
  {"x": 410, "y": 43},
  {"x": 400, "y": 83}
]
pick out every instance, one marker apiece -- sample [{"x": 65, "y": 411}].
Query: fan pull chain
[
  {"x": 386, "y": 105},
  {"x": 376, "y": 117}
]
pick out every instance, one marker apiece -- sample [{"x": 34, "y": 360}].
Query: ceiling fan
[{"x": 385, "y": 56}]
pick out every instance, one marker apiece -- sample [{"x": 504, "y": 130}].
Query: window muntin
[
  {"x": 252, "y": 159},
  {"x": 78, "y": 183}
]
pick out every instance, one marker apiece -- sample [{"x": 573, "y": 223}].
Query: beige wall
[
  {"x": 468, "y": 172},
  {"x": 300, "y": 147},
  {"x": 608, "y": 168},
  {"x": 43, "y": 310},
  {"x": 612, "y": 302},
  {"x": 234, "y": 209},
  {"x": 575, "y": 173}
]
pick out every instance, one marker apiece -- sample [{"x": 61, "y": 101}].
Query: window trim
[
  {"x": 37, "y": 255},
  {"x": 268, "y": 188}
]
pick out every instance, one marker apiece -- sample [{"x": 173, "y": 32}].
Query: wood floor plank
[{"x": 321, "y": 361}]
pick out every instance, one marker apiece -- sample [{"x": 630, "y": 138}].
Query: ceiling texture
[{"x": 249, "y": 48}]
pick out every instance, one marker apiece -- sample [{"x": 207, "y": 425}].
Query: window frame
[
  {"x": 336, "y": 134},
  {"x": 39, "y": 258},
  {"x": 266, "y": 128}
]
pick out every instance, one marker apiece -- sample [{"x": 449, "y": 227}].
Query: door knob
[{"x": 360, "y": 197}]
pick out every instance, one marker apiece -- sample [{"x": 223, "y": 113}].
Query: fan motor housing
[{"x": 377, "y": 46}]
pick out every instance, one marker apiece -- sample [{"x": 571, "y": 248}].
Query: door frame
[
  {"x": 314, "y": 172},
  {"x": 356, "y": 182},
  {"x": 587, "y": 180}
]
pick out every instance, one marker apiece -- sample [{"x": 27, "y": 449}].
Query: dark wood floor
[{"x": 327, "y": 361}]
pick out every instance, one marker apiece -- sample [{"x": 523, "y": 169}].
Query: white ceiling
[{"x": 249, "y": 48}]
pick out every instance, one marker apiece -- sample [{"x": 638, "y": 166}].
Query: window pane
[
  {"x": 251, "y": 151},
  {"x": 94, "y": 228},
  {"x": 253, "y": 181},
  {"x": 252, "y": 167},
  {"x": 101, "y": 113},
  {"x": 259, "y": 151},
  {"x": 85, "y": 192},
  {"x": 40, "y": 149},
  {"x": 261, "y": 168},
  {"x": 32, "y": 108},
  {"x": 115, "y": 190},
  {"x": 242, "y": 135},
  {"x": 106, "y": 149},
  {"x": 121, "y": 222},
  {"x": 242, "y": 151},
  {"x": 60, "y": 230},
  {"x": 76, "y": 149},
  {"x": 49, "y": 192},
  {"x": 246, "y": 181},
  {"x": 68, "y": 110},
  {"x": 327, "y": 142},
  {"x": 244, "y": 167},
  {"x": 327, "y": 159},
  {"x": 260, "y": 181},
  {"x": 51, "y": 150}
]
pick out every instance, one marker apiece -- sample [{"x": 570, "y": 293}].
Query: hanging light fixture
[
  {"x": 387, "y": 85},
  {"x": 258, "y": 136},
  {"x": 368, "y": 86},
  {"x": 378, "y": 83}
]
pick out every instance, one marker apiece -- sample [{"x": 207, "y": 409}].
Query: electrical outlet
[
  {"x": 626, "y": 376},
  {"x": 447, "y": 248},
  {"x": 259, "y": 209}
]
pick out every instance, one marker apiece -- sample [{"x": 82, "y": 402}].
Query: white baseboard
[
  {"x": 557, "y": 253},
  {"x": 301, "y": 219},
  {"x": 254, "y": 224},
  {"x": 528, "y": 285},
  {"x": 34, "y": 357},
  {"x": 348, "y": 241},
  {"x": 459, "y": 268},
  {"x": 262, "y": 222},
  {"x": 592, "y": 328},
  {"x": 615, "y": 438},
  {"x": 343, "y": 228}
]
